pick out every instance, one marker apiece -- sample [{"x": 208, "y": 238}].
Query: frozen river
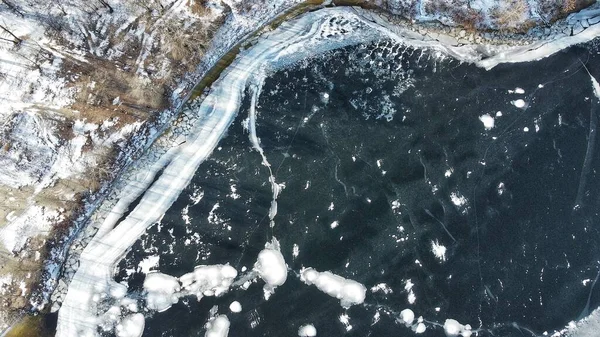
[{"x": 415, "y": 183}]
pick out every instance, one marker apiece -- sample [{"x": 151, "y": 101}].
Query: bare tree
[{"x": 16, "y": 40}]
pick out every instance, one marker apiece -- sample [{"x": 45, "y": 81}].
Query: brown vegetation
[{"x": 512, "y": 15}]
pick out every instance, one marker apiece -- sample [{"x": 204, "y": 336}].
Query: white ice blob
[
  {"x": 307, "y": 330},
  {"x": 438, "y": 250},
  {"x": 487, "y": 120},
  {"x": 235, "y": 306},
  {"x": 212, "y": 280},
  {"x": 217, "y": 327},
  {"x": 349, "y": 292},
  {"x": 271, "y": 266},
  {"x": 162, "y": 291},
  {"x": 408, "y": 316},
  {"x": 453, "y": 328},
  {"x": 519, "y": 103}
]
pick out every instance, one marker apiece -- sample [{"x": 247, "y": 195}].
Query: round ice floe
[
  {"x": 131, "y": 326},
  {"x": 271, "y": 267},
  {"x": 487, "y": 120},
  {"x": 307, "y": 330},
  {"x": 420, "y": 328},
  {"x": 408, "y": 316},
  {"x": 519, "y": 103},
  {"x": 235, "y": 306}
]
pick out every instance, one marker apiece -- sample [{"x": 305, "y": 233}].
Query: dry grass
[
  {"x": 198, "y": 7},
  {"x": 512, "y": 13},
  {"x": 512, "y": 16},
  {"x": 570, "y": 6},
  {"x": 110, "y": 82}
]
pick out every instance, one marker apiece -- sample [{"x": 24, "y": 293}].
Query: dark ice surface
[{"x": 392, "y": 149}]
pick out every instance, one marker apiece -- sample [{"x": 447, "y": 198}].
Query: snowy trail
[{"x": 311, "y": 34}]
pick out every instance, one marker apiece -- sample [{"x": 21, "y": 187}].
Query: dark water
[{"x": 394, "y": 147}]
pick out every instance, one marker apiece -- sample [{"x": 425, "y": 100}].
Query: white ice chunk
[
  {"x": 235, "y": 306},
  {"x": 420, "y": 328},
  {"x": 454, "y": 328},
  {"x": 148, "y": 263},
  {"x": 408, "y": 316},
  {"x": 438, "y": 250},
  {"x": 212, "y": 280},
  {"x": 519, "y": 103},
  {"x": 458, "y": 199},
  {"x": 487, "y": 120},
  {"x": 131, "y": 326},
  {"x": 162, "y": 291},
  {"x": 349, "y": 292},
  {"x": 218, "y": 327},
  {"x": 307, "y": 330},
  {"x": 271, "y": 266}
]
